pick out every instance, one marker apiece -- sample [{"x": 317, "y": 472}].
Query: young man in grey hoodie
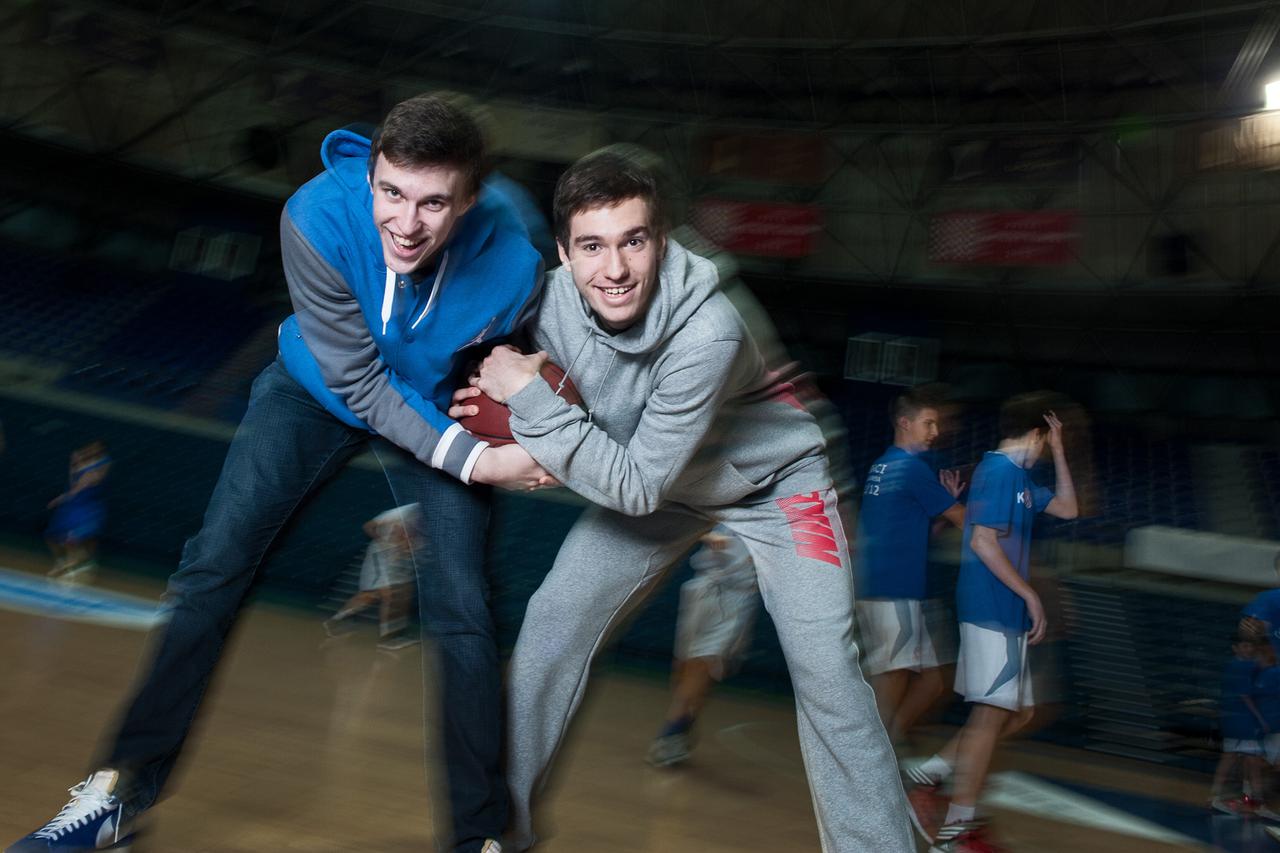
[{"x": 683, "y": 428}]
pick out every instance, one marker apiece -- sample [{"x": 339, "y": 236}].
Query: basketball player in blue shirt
[
  {"x": 900, "y": 499},
  {"x": 1262, "y": 615},
  {"x": 999, "y": 613}
]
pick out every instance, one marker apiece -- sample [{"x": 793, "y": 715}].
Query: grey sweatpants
[{"x": 610, "y": 563}]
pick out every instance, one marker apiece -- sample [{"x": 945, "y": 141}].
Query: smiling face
[
  {"x": 415, "y": 210},
  {"x": 615, "y": 257}
]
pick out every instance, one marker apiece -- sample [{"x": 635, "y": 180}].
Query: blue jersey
[
  {"x": 1002, "y": 497},
  {"x": 900, "y": 497},
  {"x": 1237, "y": 721},
  {"x": 1266, "y": 606}
]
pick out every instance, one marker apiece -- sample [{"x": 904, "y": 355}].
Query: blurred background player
[
  {"x": 386, "y": 577},
  {"x": 374, "y": 347},
  {"x": 1266, "y": 696},
  {"x": 713, "y": 627},
  {"x": 1243, "y": 729},
  {"x": 79, "y": 513},
  {"x": 1261, "y": 616},
  {"x": 900, "y": 498},
  {"x": 999, "y": 614}
]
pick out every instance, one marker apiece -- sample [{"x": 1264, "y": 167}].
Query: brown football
[{"x": 492, "y": 422}]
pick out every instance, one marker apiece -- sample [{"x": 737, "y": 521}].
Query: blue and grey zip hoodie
[{"x": 382, "y": 351}]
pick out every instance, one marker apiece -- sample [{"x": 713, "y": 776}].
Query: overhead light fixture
[{"x": 1272, "y": 91}]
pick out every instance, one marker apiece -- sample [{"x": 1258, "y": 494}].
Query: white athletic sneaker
[
  {"x": 669, "y": 750},
  {"x": 91, "y": 821}
]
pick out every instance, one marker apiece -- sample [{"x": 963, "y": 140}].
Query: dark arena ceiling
[{"x": 820, "y": 64}]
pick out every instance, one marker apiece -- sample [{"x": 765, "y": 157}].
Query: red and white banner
[
  {"x": 765, "y": 229},
  {"x": 1004, "y": 238}
]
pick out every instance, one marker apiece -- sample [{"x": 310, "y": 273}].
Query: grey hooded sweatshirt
[{"x": 678, "y": 408}]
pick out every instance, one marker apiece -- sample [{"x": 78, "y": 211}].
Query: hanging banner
[
  {"x": 1004, "y": 238},
  {"x": 764, "y": 229}
]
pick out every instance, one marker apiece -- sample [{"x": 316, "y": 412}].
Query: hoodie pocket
[{"x": 721, "y": 486}]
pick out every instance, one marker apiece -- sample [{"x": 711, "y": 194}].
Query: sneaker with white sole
[
  {"x": 669, "y": 750},
  {"x": 396, "y": 642},
  {"x": 967, "y": 837},
  {"x": 90, "y": 821}
]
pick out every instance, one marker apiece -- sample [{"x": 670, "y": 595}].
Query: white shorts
[
  {"x": 1244, "y": 747},
  {"x": 992, "y": 668},
  {"x": 385, "y": 567},
  {"x": 898, "y": 634},
  {"x": 715, "y": 620}
]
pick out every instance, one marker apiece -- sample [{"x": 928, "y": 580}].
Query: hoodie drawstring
[
  {"x": 388, "y": 298},
  {"x": 574, "y": 363},
  {"x": 435, "y": 289},
  {"x": 389, "y": 294},
  {"x": 604, "y": 383},
  {"x": 613, "y": 354}
]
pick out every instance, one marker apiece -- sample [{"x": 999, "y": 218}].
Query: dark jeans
[{"x": 285, "y": 447}]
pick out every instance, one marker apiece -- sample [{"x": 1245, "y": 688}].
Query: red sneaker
[
  {"x": 967, "y": 837},
  {"x": 928, "y": 808}
]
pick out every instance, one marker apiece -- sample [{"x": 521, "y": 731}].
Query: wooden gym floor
[{"x": 310, "y": 746}]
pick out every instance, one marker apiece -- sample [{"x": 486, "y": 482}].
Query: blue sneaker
[{"x": 91, "y": 821}]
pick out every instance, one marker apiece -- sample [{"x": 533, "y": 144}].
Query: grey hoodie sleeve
[
  {"x": 337, "y": 336},
  {"x": 632, "y": 479}
]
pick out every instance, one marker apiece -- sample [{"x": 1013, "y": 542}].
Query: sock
[
  {"x": 959, "y": 814},
  {"x": 104, "y": 780},
  {"x": 937, "y": 768},
  {"x": 676, "y": 727}
]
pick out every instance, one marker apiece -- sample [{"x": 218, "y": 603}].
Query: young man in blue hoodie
[
  {"x": 683, "y": 428},
  {"x": 397, "y": 260}
]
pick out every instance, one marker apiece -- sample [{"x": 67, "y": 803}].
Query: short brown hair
[
  {"x": 610, "y": 176},
  {"x": 911, "y": 402},
  {"x": 1023, "y": 413},
  {"x": 432, "y": 130}
]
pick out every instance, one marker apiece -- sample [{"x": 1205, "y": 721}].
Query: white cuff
[
  {"x": 442, "y": 447},
  {"x": 465, "y": 476}
]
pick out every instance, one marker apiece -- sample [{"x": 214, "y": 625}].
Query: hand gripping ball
[{"x": 492, "y": 422}]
